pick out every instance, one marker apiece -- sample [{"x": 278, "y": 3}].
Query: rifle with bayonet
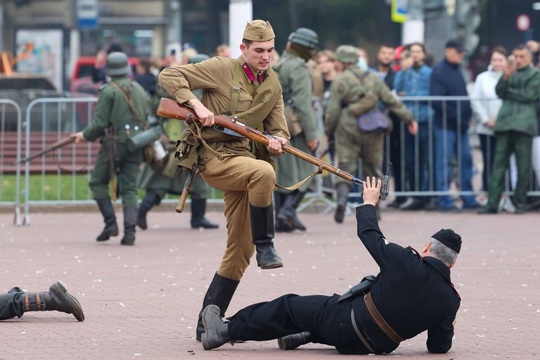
[
  {"x": 57, "y": 145},
  {"x": 172, "y": 109}
]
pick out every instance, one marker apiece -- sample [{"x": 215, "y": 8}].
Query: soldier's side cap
[
  {"x": 449, "y": 238},
  {"x": 347, "y": 54},
  {"x": 258, "y": 30}
]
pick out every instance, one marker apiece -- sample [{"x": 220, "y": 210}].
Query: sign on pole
[
  {"x": 399, "y": 10},
  {"x": 87, "y": 14}
]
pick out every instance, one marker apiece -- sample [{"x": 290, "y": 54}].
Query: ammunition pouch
[{"x": 186, "y": 150}]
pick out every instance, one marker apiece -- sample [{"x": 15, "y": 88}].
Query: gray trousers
[{"x": 12, "y": 304}]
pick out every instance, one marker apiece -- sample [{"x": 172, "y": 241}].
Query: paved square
[{"x": 142, "y": 302}]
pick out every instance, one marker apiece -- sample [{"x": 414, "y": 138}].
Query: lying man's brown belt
[{"x": 380, "y": 320}]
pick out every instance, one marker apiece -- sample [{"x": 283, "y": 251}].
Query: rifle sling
[{"x": 132, "y": 106}]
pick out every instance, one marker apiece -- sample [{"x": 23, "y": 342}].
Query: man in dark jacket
[
  {"x": 411, "y": 294},
  {"x": 451, "y": 123}
]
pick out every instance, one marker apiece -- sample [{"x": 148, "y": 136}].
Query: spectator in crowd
[
  {"x": 363, "y": 59},
  {"x": 516, "y": 125},
  {"x": 451, "y": 123},
  {"x": 414, "y": 80},
  {"x": 353, "y": 93},
  {"x": 223, "y": 50},
  {"x": 486, "y": 105},
  {"x": 145, "y": 77},
  {"x": 326, "y": 61},
  {"x": 98, "y": 72}
]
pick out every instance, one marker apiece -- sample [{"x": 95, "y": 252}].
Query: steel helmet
[
  {"x": 117, "y": 64},
  {"x": 305, "y": 37}
]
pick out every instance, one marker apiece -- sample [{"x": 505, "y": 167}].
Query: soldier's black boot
[
  {"x": 287, "y": 212},
  {"x": 107, "y": 211},
  {"x": 262, "y": 231},
  {"x": 342, "y": 194},
  {"x": 198, "y": 209},
  {"x": 57, "y": 299},
  {"x": 148, "y": 202},
  {"x": 130, "y": 219},
  {"x": 281, "y": 225},
  {"x": 216, "y": 332},
  {"x": 220, "y": 293},
  {"x": 293, "y": 341}
]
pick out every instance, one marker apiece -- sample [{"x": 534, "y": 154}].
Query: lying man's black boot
[{"x": 57, "y": 299}]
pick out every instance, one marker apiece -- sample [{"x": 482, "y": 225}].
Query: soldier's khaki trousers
[{"x": 243, "y": 181}]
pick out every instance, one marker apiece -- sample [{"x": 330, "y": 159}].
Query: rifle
[
  {"x": 172, "y": 109},
  {"x": 57, "y": 145}
]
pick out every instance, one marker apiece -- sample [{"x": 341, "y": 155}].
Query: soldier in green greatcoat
[
  {"x": 297, "y": 88},
  {"x": 160, "y": 182},
  {"x": 115, "y": 117},
  {"x": 355, "y": 92}
]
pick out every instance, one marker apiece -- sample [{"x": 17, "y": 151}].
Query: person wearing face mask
[
  {"x": 516, "y": 125},
  {"x": 249, "y": 89},
  {"x": 486, "y": 105}
]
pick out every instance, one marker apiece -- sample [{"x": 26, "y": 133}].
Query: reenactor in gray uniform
[
  {"x": 159, "y": 182},
  {"x": 16, "y": 302},
  {"x": 115, "y": 122},
  {"x": 355, "y": 92},
  {"x": 297, "y": 88}
]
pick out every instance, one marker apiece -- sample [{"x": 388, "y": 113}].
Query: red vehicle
[{"x": 81, "y": 79}]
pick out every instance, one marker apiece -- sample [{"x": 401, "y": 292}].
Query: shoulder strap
[{"x": 130, "y": 102}]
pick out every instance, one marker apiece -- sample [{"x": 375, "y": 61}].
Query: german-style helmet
[
  {"x": 117, "y": 64},
  {"x": 305, "y": 37}
]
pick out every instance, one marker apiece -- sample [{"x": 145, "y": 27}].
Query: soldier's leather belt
[{"x": 387, "y": 329}]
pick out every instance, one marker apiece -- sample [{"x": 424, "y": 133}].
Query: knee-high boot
[
  {"x": 287, "y": 213},
  {"x": 262, "y": 231},
  {"x": 107, "y": 211},
  {"x": 342, "y": 191},
  {"x": 130, "y": 219},
  {"x": 56, "y": 299},
  {"x": 220, "y": 293},
  {"x": 148, "y": 202}
]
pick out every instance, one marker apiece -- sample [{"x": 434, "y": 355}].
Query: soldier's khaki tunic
[{"x": 243, "y": 178}]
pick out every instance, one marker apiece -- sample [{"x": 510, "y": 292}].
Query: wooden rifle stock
[
  {"x": 57, "y": 145},
  {"x": 172, "y": 109}
]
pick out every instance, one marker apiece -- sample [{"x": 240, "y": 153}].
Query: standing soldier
[
  {"x": 297, "y": 87},
  {"x": 158, "y": 182},
  {"x": 248, "y": 89},
  {"x": 120, "y": 114},
  {"x": 355, "y": 92}
]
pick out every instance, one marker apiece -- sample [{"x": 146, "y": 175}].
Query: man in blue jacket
[
  {"x": 411, "y": 294},
  {"x": 451, "y": 123}
]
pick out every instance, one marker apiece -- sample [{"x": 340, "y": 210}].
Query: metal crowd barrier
[
  {"x": 409, "y": 179},
  {"x": 10, "y": 119},
  {"x": 56, "y": 117}
]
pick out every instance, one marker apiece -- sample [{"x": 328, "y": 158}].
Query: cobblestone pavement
[{"x": 142, "y": 302}]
